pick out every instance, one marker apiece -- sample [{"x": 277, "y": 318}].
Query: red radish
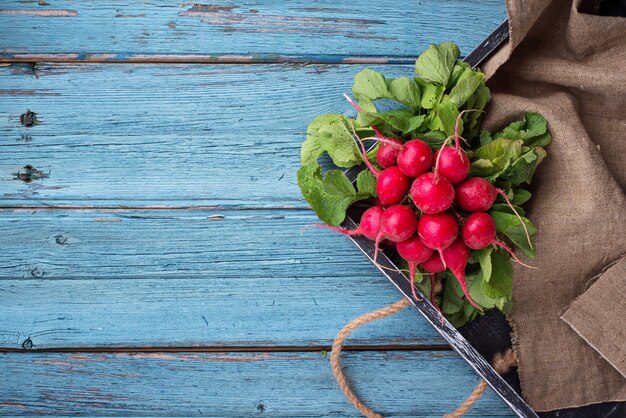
[
  {"x": 369, "y": 226},
  {"x": 479, "y": 231},
  {"x": 414, "y": 252},
  {"x": 477, "y": 195},
  {"x": 397, "y": 224},
  {"x": 452, "y": 164},
  {"x": 455, "y": 257},
  {"x": 438, "y": 231},
  {"x": 431, "y": 196},
  {"x": 387, "y": 153},
  {"x": 415, "y": 158},
  {"x": 433, "y": 264},
  {"x": 391, "y": 186}
]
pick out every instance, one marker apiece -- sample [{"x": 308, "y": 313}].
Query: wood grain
[
  {"x": 236, "y": 384},
  {"x": 239, "y": 31},
  {"x": 178, "y": 278},
  {"x": 191, "y": 137},
  {"x": 169, "y": 135}
]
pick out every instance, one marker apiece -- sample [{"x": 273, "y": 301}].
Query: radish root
[
  {"x": 332, "y": 228},
  {"x": 512, "y": 254},
  {"x": 432, "y": 296},
  {"x": 412, "y": 269}
]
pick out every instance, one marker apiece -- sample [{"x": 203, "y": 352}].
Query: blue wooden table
[{"x": 151, "y": 256}]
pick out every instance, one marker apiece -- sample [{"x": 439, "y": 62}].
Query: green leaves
[
  {"x": 446, "y": 114},
  {"x": 371, "y": 85},
  {"x": 500, "y": 284},
  {"x": 366, "y": 183},
  {"x": 331, "y": 195},
  {"x": 436, "y": 63},
  {"x": 509, "y": 225},
  {"x": 404, "y": 90},
  {"x": 484, "y": 258},
  {"x": 466, "y": 87},
  {"x": 525, "y": 140},
  {"x": 521, "y": 170},
  {"x": 532, "y": 130},
  {"x": 495, "y": 157},
  {"x": 402, "y": 119},
  {"x": 514, "y": 153},
  {"x": 431, "y": 93},
  {"x": 330, "y": 133}
]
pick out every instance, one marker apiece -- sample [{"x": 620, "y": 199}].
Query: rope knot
[{"x": 502, "y": 363}]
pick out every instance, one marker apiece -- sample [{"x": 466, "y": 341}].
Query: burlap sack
[{"x": 571, "y": 67}]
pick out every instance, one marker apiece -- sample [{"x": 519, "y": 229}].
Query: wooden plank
[
  {"x": 180, "y": 278},
  {"x": 239, "y": 31},
  {"x": 395, "y": 383},
  {"x": 162, "y": 134}
]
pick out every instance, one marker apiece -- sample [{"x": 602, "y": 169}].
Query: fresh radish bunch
[
  {"x": 442, "y": 203},
  {"x": 437, "y": 246}
]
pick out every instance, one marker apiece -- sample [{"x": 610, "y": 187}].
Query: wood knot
[
  {"x": 29, "y": 119},
  {"x": 37, "y": 273},
  {"x": 29, "y": 173},
  {"x": 61, "y": 239},
  {"x": 27, "y": 344}
]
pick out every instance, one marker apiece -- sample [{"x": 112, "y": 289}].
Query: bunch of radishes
[
  {"x": 428, "y": 207},
  {"x": 428, "y": 197}
]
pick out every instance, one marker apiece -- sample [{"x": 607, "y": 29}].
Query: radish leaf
[{"x": 436, "y": 63}]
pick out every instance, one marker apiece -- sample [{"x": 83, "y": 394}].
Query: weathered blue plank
[
  {"x": 162, "y": 134},
  {"x": 395, "y": 383},
  {"x": 244, "y": 30},
  {"x": 187, "y": 278}
]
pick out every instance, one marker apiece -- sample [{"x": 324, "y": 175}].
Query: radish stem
[
  {"x": 456, "y": 127},
  {"x": 358, "y": 109},
  {"x": 367, "y": 162}
]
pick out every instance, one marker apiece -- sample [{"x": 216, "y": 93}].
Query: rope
[
  {"x": 335, "y": 354},
  {"x": 502, "y": 363}
]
